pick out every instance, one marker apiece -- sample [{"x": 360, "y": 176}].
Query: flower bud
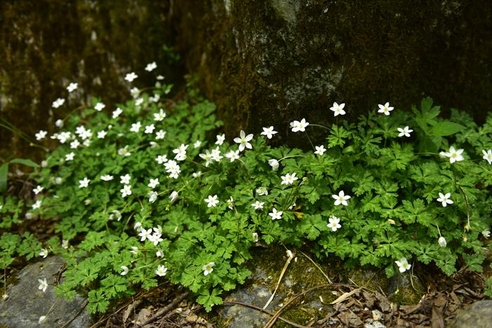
[{"x": 442, "y": 241}]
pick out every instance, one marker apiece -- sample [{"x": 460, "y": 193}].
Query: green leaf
[
  {"x": 208, "y": 300},
  {"x": 4, "y": 170},
  {"x": 26, "y": 162},
  {"x": 442, "y": 129}
]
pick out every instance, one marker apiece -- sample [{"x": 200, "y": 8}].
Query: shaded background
[{"x": 264, "y": 62}]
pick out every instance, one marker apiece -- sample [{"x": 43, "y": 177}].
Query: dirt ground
[{"x": 168, "y": 306}]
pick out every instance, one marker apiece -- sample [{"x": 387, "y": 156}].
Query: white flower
[
  {"x": 212, "y": 201},
  {"x": 220, "y": 139},
  {"x": 36, "y": 205},
  {"x": 160, "y": 134},
  {"x": 57, "y": 103},
  {"x": 197, "y": 144},
  {"x": 180, "y": 152},
  {"x": 124, "y": 151},
  {"x": 258, "y": 205},
  {"x": 125, "y": 179},
  {"x": 43, "y": 253},
  {"x": 126, "y": 191},
  {"x": 385, "y": 109},
  {"x": 289, "y": 179},
  {"x": 405, "y": 132},
  {"x": 136, "y": 127},
  {"x": 455, "y": 155},
  {"x": 153, "y": 183},
  {"x": 161, "y": 159},
  {"x": 207, "y": 157},
  {"x": 320, "y": 150},
  {"x": 230, "y": 203},
  {"x": 173, "y": 196},
  {"x": 159, "y": 253},
  {"x": 115, "y": 214},
  {"x": 274, "y": 164},
  {"x": 72, "y": 87},
  {"x": 149, "y": 129},
  {"x": 338, "y": 109},
  {"x": 107, "y": 177},
  {"x": 74, "y": 144},
  {"x": 487, "y": 155},
  {"x": 297, "y": 126},
  {"x": 269, "y": 132},
  {"x": 59, "y": 124},
  {"x": 232, "y": 155},
  {"x": 139, "y": 101},
  {"x": 101, "y": 134},
  {"x": 289, "y": 253},
  {"x": 155, "y": 238},
  {"x": 262, "y": 191},
  {"x": 208, "y": 268},
  {"x": 69, "y": 156},
  {"x": 134, "y": 250},
  {"x": 244, "y": 140},
  {"x": 334, "y": 224},
  {"x": 161, "y": 271},
  {"x": 117, "y": 112},
  {"x": 403, "y": 265},
  {"x": 145, "y": 234},
  {"x": 42, "y": 319},
  {"x": 65, "y": 244},
  {"x": 131, "y": 76},
  {"x": 84, "y": 183},
  {"x": 276, "y": 215},
  {"x": 486, "y": 233},
  {"x": 41, "y": 135},
  {"x": 124, "y": 270},
  {"x": 99, "y": 106},
  {"x": 445, "y": 199},
  {"x": 150, "y": 67},
  {"x": 159, "y": 116},
  {"x": 215, "y": 155},
  {"x": 43, "y": 284},
  {"x": 37, "y": 190},
  {"x": 255, "y": 237},
  {"x": 341, "y": 198},
  {"x": 442, "y": 241},
  {"x": 153, "y": 196}
]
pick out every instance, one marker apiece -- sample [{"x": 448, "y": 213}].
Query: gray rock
[
  {"x": 26, "y": 303},
  {"x": 478, "y": 315}
]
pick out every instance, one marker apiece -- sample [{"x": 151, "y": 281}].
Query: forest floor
[{"x": 170, "y": 306}]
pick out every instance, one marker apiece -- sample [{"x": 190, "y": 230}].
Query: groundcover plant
[{"x": 151, "y": 191}]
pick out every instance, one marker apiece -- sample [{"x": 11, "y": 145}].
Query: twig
[
  {"x": 166, "y": 309},
  {"x": 264, "y": 311},
  {"x": 317, "y": 267},
  {"x": 286, "y": 265}
]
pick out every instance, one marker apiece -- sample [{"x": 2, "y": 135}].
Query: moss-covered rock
[{"x": 270, "y": 62}]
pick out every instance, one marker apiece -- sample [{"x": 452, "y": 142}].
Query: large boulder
[
  {"x": 268, "y": 62},
  {"x": 25, "y": 303}
]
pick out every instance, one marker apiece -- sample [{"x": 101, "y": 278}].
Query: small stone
[{"x": 478, "y": 315}]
